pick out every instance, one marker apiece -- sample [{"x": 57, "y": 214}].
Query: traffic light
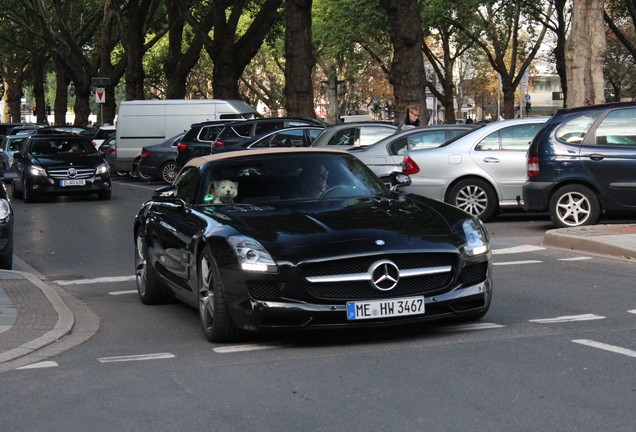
[
  {"x": 375, "y": 108},
  {"x": 35, "y": 111},
  {"x": 528, "y": 107}
]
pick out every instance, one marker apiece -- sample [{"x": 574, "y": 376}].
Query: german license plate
[
  {"x": 385, "y": 308},
  {"x": 72, "y": 183}
]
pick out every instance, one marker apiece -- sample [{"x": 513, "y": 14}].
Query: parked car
[
  {"x": 101, "y": 135},
  {"x": 356, "y": 134},
  {"x": 9, "y": 145},
  {"x": 159, "y": 161},
  {"x": 299, "y": 136},
  {"x": 232, "y": 238},
  {"x": 6, "y": 230},
  {"x": 58, "y": 164},
  {"x": 5, "y": 128},
  {"x": 386, "y": 155},
  {"x": 235, "y": 133},
  {"x": 481, "y": 172},
  {"x": 198, "y": 140},
  {"x": 582, "y": 164}
]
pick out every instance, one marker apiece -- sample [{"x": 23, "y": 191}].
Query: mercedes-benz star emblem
[
  {"x": 384, "y": 275},
  {"x": 72, "y": 172}
]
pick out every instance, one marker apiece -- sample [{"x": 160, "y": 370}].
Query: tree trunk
[
  {"x": 37, "y": 68},
  {"x": 407, "y": 69},
  {"x": 61, "y": 93},
  {"x": 585, "y": 54},
  {"x": 299, "y": 59}
]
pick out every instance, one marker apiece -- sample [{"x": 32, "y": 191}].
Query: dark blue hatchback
[{"x": 582, "y": 164}]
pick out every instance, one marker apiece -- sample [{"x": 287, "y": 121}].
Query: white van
[
  {"x": 355, "y": 118},
  {"x": 143, "y": 123}
]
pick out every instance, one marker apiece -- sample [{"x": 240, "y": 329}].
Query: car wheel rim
[
  {"x": 140, "y": 266},
  {"x": 206, "y": 295},
  {"x": 573, "y": 209},
  {"x": 472, "y": 199},
  {"x": 169, "y": 173}
]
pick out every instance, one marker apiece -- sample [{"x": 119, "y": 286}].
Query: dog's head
[{"x": 226, "y": 189}]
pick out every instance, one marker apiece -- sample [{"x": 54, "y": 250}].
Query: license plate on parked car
[
  {"x": 385, "y": 308},
  {"x": 72, "y": 183}
]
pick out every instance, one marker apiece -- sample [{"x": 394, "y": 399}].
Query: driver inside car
[{"x": 314, "y": 181}]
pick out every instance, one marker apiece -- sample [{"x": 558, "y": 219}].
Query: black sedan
[
  {"x": 58, "y": 164},
  {"x": 158, "y": 161},
  {"x": 304, "y": 238}
]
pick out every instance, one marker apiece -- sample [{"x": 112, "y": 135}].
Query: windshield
[
  {"x": 289, "y": 178},
  {"x": 60, "y": 146}
]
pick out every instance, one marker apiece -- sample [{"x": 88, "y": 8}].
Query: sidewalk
[
  {"x": 38, "y": 320},
  {"x": 35, "y": 315}
]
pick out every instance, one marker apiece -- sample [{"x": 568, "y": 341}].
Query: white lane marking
[
  {"x": 113, "y": 293},
  {"x": 96, "y": 280},
  {"x": 44, "y": 364},
  {"x": 632, "y": 311},
  {"x": 606, "y": 347},
  {"x": 517, "y": 249},
  {"x": 465, "y": 327},
  {"x": 157, "y": 356},
  {"x": 575, "y": 259},
  {"x": 241, "y": 348},
  {"x": 517, "y": 262},
  {"x": 571, "y": 318}
]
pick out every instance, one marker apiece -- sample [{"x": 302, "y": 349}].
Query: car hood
[
  {"x": 350, "y": 224},
  {"x": 53, "y": 161}
]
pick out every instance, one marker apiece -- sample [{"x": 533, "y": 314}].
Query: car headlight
[
  {"x": 476, "y": 237},
  {"x": 5, "y": 209},
  {"x": 35, "y": 170},
  {"x": 251, "y": 254},
  {"x": 103, "y": 169}
]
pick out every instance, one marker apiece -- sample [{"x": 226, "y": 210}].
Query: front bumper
[
  {"x": 41, "y": 185},
  {"x": 536, "y": 195}
]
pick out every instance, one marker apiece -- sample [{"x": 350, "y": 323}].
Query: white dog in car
[{"x": 225, "y": 191}]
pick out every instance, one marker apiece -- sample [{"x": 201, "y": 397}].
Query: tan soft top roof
[{"x": 197, "y": 162}]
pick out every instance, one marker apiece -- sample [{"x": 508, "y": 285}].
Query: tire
[
  {"x": 136, "y": 173},
  {"x": 476, "y": 197},
  {"x": 149, "y": 285},
  {"x": 169, "y": 172},
  {"x": 15, "y": 193},
  {"x": 6, "y": 262},
  {"x": 216, "y": 320},
  {"x": 574, "y": 205}
]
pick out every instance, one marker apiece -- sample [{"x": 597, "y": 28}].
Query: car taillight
[
  {"x": 144, "y": 154},
  {"x": 94, "y": 144},
  {"x": 112, "y": 150},
  {"x": 409, "y": 166},
  {"x": 533, "y": 166},
  {"x": 217, "y": 144},
  {"x": 181, "y": 147}
]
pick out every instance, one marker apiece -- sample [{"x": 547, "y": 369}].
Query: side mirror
[
  {"x": 9, "y": 175},
  {"x": 399, "y": 179},
  {"x": 165, "y": 193}
]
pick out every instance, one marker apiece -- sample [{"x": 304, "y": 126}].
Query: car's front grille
[
  {"x": 263, "y": 290},
  {"x": 420, "y": 273},
  {"x": 474, "y": 274},
  {"x": 71, "y": 173}
]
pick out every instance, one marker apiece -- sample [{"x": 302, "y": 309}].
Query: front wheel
[
  {"x": 574, "y": 205},
  {"x": 149, "y": 285},
  {"x": 216, "y": 321},
  {"x": 476, "y": 197},
  {"x": 136, "y": 172}
]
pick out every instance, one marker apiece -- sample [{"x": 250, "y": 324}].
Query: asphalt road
[{"x": 556, "y": 352}]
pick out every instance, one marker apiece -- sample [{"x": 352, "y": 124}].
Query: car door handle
[
  {"x": 597, "y": 157},
  {"x": 491, "y": 160}
]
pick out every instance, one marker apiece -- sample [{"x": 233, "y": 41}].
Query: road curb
[{"x": 600, "y": 244}]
